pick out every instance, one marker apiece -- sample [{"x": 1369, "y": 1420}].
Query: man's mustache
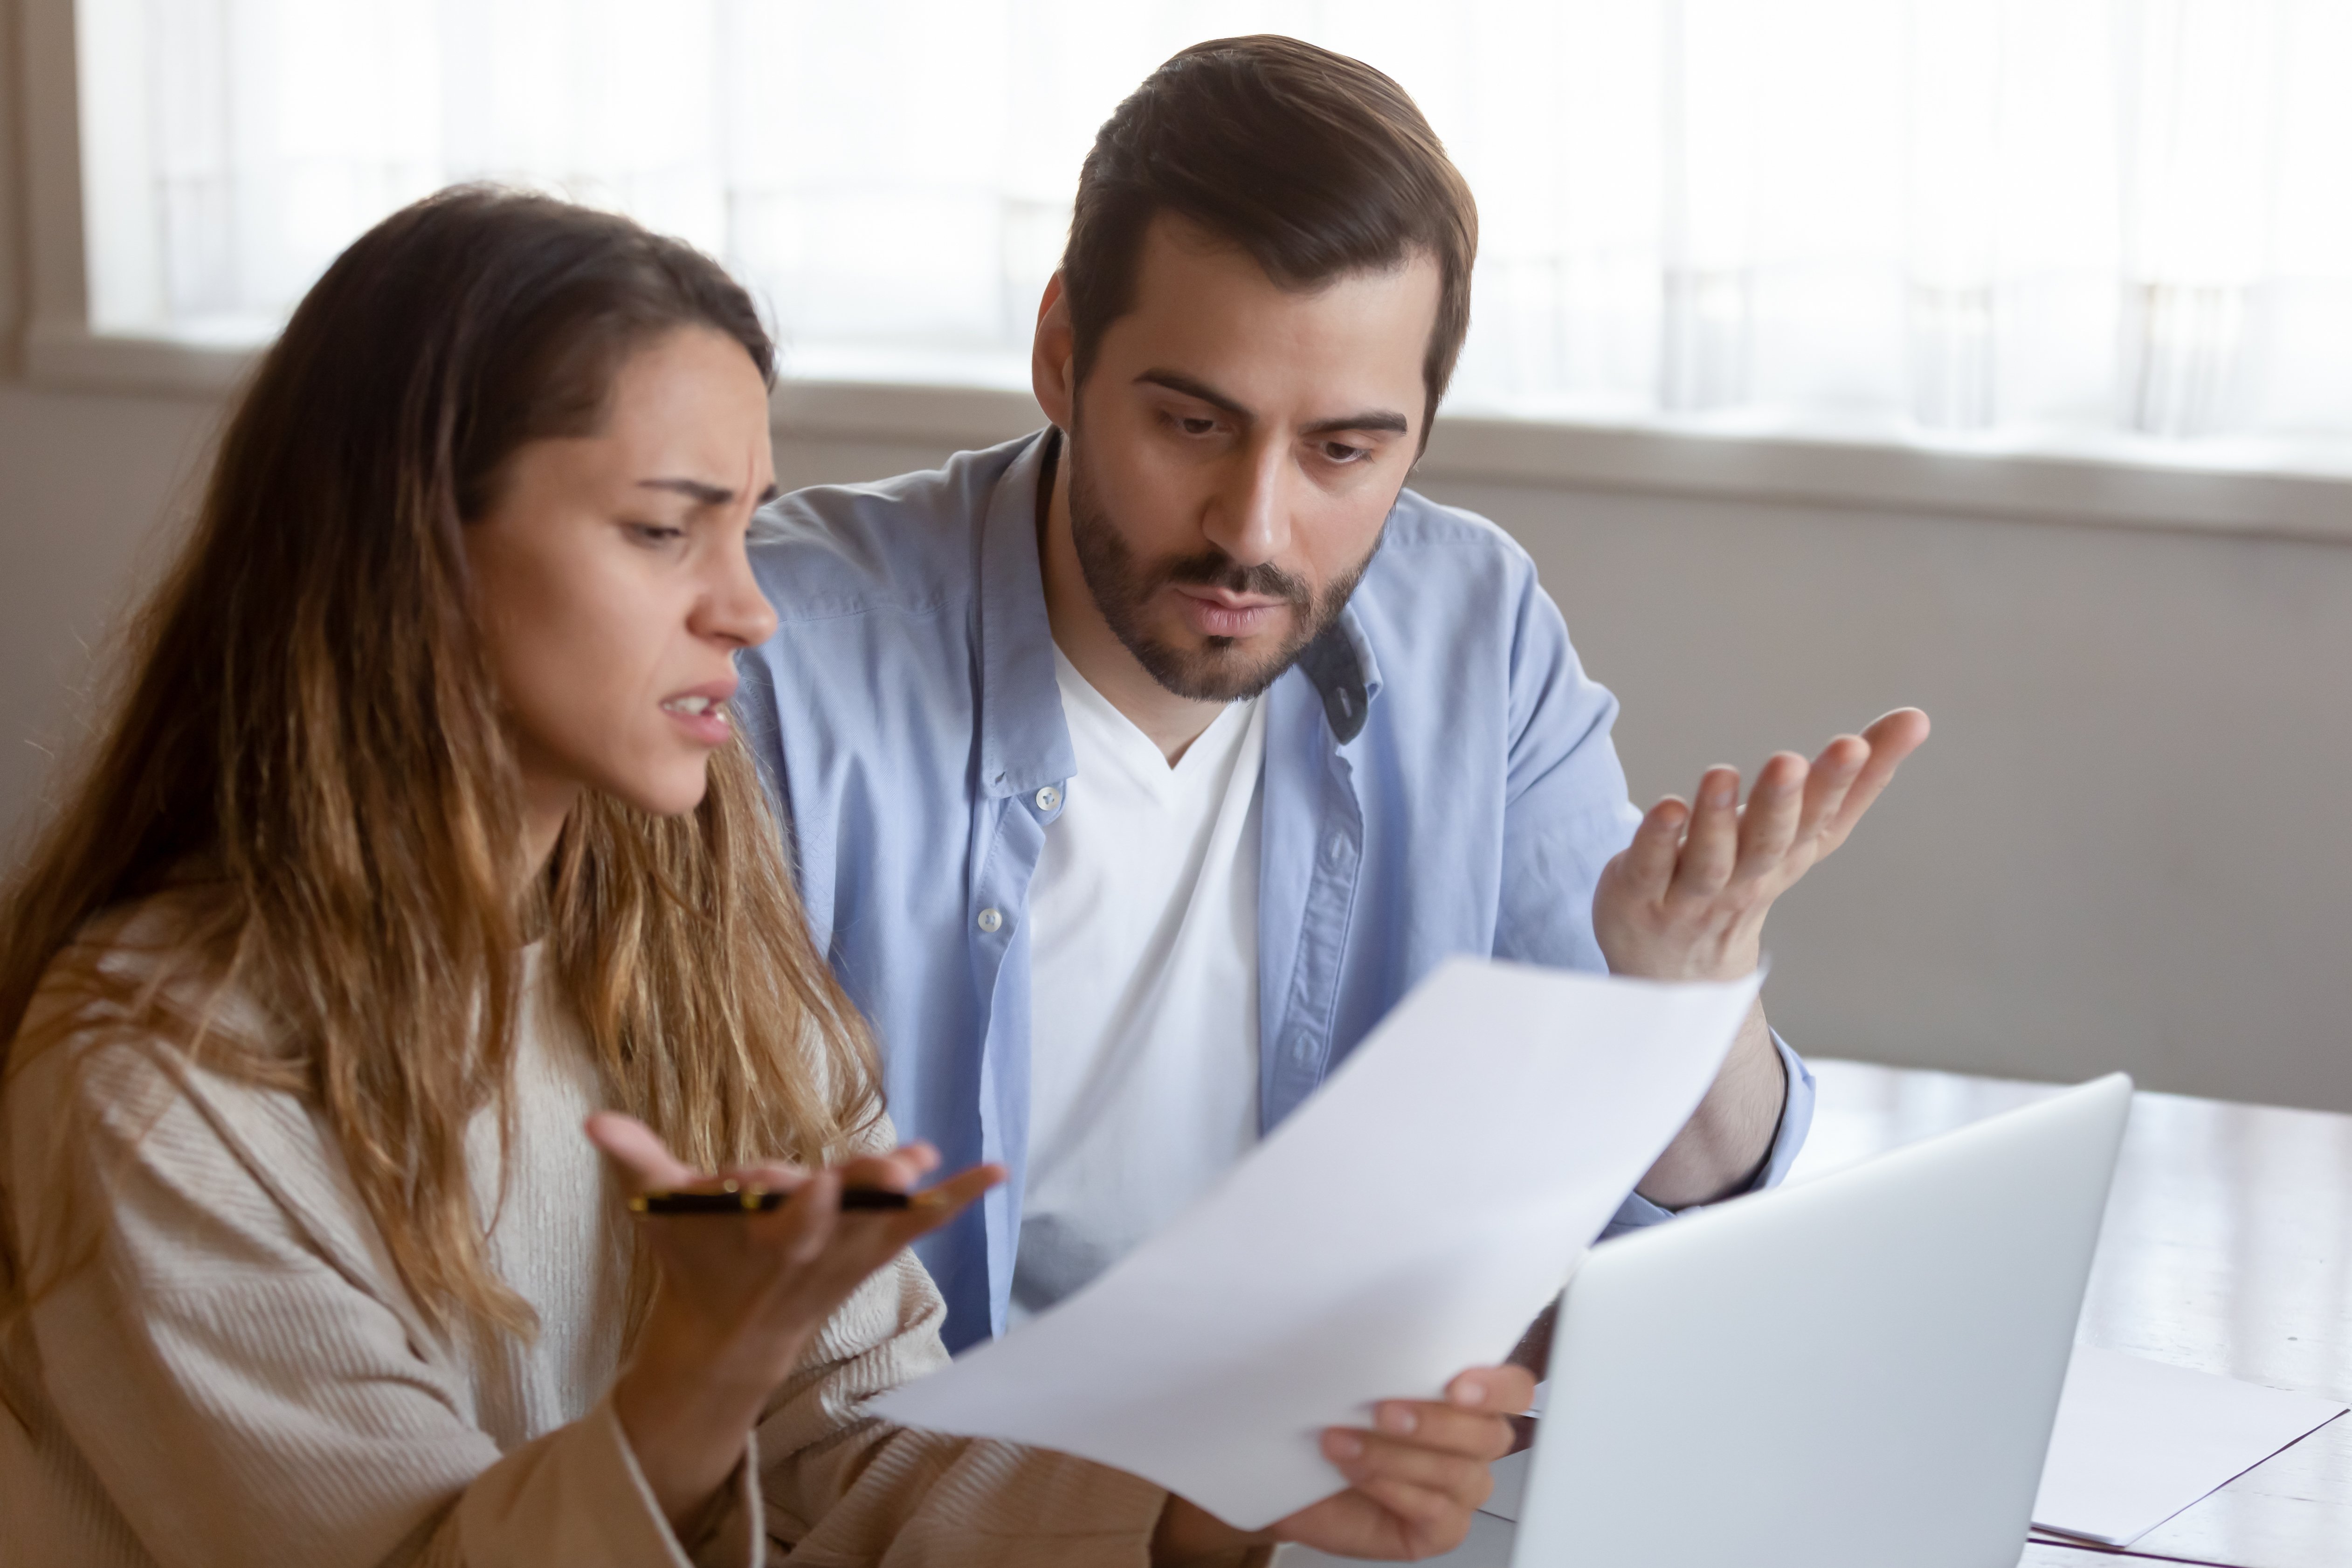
[{"x": 1215, "y": 569}]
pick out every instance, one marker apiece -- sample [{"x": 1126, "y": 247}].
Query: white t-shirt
[{"x": 1143, "y": 984}]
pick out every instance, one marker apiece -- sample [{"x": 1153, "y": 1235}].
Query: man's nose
[{"x": 1248, "y": 517}]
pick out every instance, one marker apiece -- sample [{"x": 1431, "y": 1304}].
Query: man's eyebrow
[
  {"x": 1177, "y": 381},
  {"x": 1386, "y": 419}
]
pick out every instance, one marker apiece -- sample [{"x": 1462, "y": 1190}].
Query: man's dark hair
[{"x": 1316, "y": 164}]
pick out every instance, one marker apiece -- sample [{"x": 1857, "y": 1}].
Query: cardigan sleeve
[
  {"x": 846, "y": 1488},
  {"x": 242, "y": 1394},
  {"x": 224, "y": 1370}
]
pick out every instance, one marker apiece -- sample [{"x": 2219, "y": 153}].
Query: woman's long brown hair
[{"x": 305, "y": 750}]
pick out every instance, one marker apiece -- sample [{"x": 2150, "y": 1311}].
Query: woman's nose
[{"x": 736, "y": 610}]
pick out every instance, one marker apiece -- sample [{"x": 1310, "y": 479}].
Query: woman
[{"x": 416, "y": 835}]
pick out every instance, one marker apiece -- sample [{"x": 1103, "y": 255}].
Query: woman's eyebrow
[
  {"x": 703, "y": 494},
  {"x": 695, "y": 490}
]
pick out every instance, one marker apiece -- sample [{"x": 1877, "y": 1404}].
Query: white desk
[{"x": 2228, "y": 1247}]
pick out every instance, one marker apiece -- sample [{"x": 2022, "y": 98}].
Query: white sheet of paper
[
  {"x": 2138, "y": 1441},
  {"x": 1409, "y": 1220}
]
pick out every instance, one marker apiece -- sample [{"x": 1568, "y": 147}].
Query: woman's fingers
[
  {"x": 1443, "y": 1447},
  {"x": 1431, "y": 1521},
  {"x": 806, "y": 1221},
  {"x": 1415, "y": 1480},
  {"x": 1479, "y": 1435},
  {"x": 641, "y": 1156},
  {"x": 775, "y": 1177},
  {"x": 898, "y": 1171},
  {"x": 1497, "y": 1389},
  {"x": 639, "y": 1151},
  {"x": 865, "y": 1238},
  {"x": 1367, "y": 1457},
  {"x": 937, "y": 1204},
  {"x": 807, "y": 1248},
  {"x": 1434, "y": 1454}
]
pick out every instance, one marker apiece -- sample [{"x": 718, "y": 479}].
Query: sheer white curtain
[{"x": 1980, "y": 220}]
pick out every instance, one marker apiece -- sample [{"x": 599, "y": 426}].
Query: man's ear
[{"x": 1053, "y": 355}]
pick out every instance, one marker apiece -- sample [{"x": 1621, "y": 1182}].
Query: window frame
[{"x": 44, "y": 316}]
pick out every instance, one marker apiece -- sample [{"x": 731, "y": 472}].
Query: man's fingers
[
  {"x": 1832, "y": 774},
  {"x": 1898, "y": 733},
  {"x": 1648, "y": 860},
  {"x": 1712, "y": 845},
  {"x": 1768, "y": 825},
  {"x": 1891, "y": 739}
]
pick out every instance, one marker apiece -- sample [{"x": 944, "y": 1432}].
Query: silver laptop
[{"x": 1860, "y": 1370}]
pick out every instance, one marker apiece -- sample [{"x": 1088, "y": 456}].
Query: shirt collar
[
  {"x": 1344, "y": 674},
  {"x": 1024, "y": 742}
]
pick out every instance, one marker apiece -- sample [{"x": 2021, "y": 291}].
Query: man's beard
[{"x": 1219, "y": 670}]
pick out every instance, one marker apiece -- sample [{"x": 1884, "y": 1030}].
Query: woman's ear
[{"x": 1053, "y": 355}]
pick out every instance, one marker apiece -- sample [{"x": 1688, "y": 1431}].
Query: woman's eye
[{"x": 654, "y": 534}]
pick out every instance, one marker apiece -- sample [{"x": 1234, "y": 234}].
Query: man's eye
[
  {"x": 1193, "y": 423},
  {"x": 1341, "y": 452}
]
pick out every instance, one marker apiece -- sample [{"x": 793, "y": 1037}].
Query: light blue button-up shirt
[{"x": 1439, "y": 779}]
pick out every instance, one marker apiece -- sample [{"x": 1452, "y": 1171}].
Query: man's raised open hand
[{"x": 1686, "y": 899}]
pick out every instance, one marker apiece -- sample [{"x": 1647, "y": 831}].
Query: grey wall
[
  {"x": 83, "y": 481},
  {"x": 2124, "y": 846}
]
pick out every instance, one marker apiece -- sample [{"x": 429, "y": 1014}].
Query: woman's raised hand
[{"x": 739, "y": 1295}]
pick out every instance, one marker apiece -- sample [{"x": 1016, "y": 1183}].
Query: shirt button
[
  {"x": 990, "y": 920},
  {"x": 1335, "y": 850},
  {"x": 1048, "y": 798}
]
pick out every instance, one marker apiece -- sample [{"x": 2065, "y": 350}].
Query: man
[{"x": 1137, "y": 768}]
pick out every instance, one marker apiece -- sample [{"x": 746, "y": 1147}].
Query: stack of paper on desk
[
  {"x": 2138, "y": 1441},
  {"x": 1409, "y": 1221}
]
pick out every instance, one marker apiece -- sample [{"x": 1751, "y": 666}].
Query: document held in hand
[{"x": 1409, "y": 1221}]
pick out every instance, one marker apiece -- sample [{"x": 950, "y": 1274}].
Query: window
[{"x": 1987, "y": 223}]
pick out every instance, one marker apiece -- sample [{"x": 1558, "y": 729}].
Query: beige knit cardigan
[{"x": 239, "y": 1377}]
